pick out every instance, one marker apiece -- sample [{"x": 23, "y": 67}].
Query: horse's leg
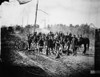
[
  {"x": 47, "y": 51},
  {"x": 84, "y": 49},
  {"x": 68, "y": 50},
  {"x": 75, "y": 51}
]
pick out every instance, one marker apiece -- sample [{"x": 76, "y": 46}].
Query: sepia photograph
[{"x": 49, "y": 38}]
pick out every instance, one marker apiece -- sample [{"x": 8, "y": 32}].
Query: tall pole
[{"x": 36, "y": 15}]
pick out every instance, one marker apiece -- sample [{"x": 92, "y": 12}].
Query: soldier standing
[{"x": 74, "y": 45}]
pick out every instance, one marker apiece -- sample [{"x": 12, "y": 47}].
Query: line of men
[{"x": 57, "y": 43}]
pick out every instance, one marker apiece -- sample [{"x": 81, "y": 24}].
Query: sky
[{"x": 57, "y": 12}]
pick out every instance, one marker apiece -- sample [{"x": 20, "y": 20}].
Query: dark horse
[{"x": 84, "y": 41}]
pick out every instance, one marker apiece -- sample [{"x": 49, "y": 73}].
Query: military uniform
[{"x": 74, "y": 45}]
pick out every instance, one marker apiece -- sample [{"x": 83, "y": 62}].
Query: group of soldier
[{"x": 56, "y": 43}]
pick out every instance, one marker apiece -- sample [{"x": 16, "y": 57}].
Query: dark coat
[{"x": 74, "y": 43}]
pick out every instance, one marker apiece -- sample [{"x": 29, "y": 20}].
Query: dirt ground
[{"x": 65, "y": 66}]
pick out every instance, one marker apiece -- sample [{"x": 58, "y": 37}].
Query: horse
[{"x": 84, "y": 41}]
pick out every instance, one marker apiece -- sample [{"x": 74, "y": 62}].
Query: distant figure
[
  {"x": 74, "y": 45},
  {"x": 41, "y": 44},
  {"x": 50, "y": 45},
  {"x": 29, "y": 41},
  {"x": 69, "y": 40}
]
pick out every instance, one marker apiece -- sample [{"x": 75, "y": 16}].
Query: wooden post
[{"x": 36, "y": 15}]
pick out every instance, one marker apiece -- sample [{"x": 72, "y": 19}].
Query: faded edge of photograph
[
  {"x": 97, "y": 52},
  {"x": 39, "y": 38}
]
